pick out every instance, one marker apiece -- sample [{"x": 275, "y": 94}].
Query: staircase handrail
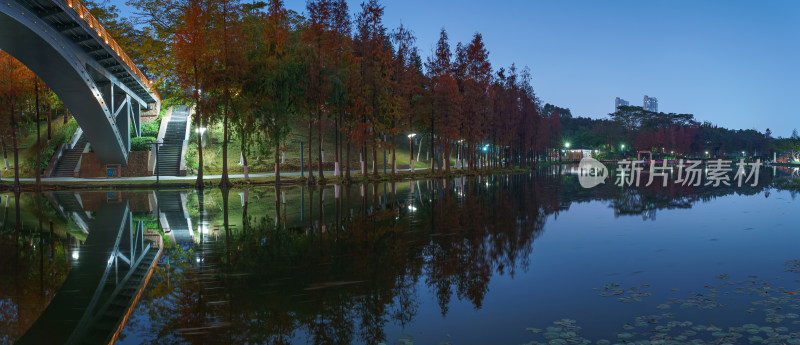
[
  {"x": 162, "y": 130},
  {"x": 185, "y": 146},
  {"x": 51, "y": 168},
  {"x": 76, "y": 172},
  {"x": 75, "y": 137}
]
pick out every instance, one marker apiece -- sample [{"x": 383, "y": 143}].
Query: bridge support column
[
  {"x": 136, "y": 112},
  {"x": 123, "y": 118}
]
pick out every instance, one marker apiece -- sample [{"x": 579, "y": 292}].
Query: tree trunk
[
  {"x": 310, "y": 161},
  {"x": 447, "y": 157},
  {"x": 336, "y": 146},
  {"x": 5, "y": 151},
  {"x": 38, "y": 141},
  {"x": 440, "y": 158},
  {"x": 363, "y": 155},
  {"x": 374, "y": 159},
  {"x": 472, "y": 155},
  {"x": 199, "y": 182},
  {"x": 411, "y": 153},
  {"x": 14, "y": 146},
  {"x": 394, "y": 149},
  {"x": 199, "y": 120},
  {"x": 49, "y": 123},
  {"x": 347, "y": 163},
  {"x": 319, "y": 144},
  {"x": 224, "y": 182},
  {"x": 430, "y": 150}
]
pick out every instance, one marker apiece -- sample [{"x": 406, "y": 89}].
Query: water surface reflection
[{"x": 468, "y": 260}]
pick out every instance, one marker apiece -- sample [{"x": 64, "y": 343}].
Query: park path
[{"x": 177, "y": 178}]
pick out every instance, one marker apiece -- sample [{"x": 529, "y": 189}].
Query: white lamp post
[{"x": 411, "y": 150}]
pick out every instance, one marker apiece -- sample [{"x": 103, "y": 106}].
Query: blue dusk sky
[{"x": 734, "y": 63}]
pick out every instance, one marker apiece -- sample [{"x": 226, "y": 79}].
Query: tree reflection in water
[
  {"x": 342, "y": 278},
  {"x": 339, "y": 264},
  {"x": 343, "y": 270},
  {"x": 35, "y": 262}
]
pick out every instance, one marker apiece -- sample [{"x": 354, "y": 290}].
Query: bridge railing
[{"x": 84, "y": 14}]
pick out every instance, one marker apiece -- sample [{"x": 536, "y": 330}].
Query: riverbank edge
[{"x": 107, "y": 184}]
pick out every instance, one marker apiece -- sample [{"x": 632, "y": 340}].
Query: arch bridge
[{"x": 74, "y": 55}]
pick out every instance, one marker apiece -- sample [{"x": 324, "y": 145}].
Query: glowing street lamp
[
  {"x": 460, "y": 162},
  {"x": 411, "y": 150},
  {"x": 156, "y": 144},
  {"x": 566, "y": 144}
]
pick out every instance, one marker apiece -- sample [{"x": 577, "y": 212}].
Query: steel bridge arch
[{"x": 60, "y": 42}]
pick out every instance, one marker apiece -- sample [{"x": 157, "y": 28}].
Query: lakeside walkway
[{"x": 178, "y": 180}]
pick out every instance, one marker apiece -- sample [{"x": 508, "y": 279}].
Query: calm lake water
[{"x": 502, "y": 260}]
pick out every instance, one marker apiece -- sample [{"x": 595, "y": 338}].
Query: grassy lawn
[
  {"x": 61, "y": 133},
  {"x": 212, "y": 154}
]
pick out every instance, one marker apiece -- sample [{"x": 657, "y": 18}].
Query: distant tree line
[{"x": 635, "y": 129}]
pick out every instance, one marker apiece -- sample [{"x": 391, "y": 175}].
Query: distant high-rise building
[
  {"x": 619, "y": 102},
  {"x": 650, "y": 104}
]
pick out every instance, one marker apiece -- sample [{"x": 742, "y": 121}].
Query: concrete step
[{"x": 169, "y": 154}]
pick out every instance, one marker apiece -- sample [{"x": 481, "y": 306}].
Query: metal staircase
[
  {"x": 169, "y": 154},
  {"x": 70, "y": 159}
]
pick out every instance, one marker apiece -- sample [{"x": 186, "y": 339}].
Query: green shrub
[
  {"x": 65, "y": 132},
  {"x": 29, "y": 165},
  {"x": 192, "y": 164},
  {"x": 142, "y": 143},
  {"x": 150, "y": 129}
]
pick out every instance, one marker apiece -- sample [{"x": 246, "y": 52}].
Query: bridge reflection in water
[{"x": 108, "y": 274}]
